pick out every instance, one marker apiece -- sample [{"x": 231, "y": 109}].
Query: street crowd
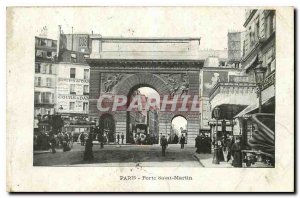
[{"x": 225, "y": 149}]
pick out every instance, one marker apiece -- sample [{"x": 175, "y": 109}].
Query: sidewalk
[
  {"x": 206, "y": 161},
  {"x": 40, "y": 152}
]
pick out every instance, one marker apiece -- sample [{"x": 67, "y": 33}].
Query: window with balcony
[
  {"x": 49, "y": 82},
  {"x": 72, "y": 106},
  {"x": 39, "y": 54},
  {"x": 44, "y": 69},
  {"x": 73, "y": 58},
  {"x": 38, "y": 81},
  {"x": 85, "y": 90},
  {"x": 72, "y": 72},
  {"x": 49, "y": 43},
  {"x": 270, "y": 24},
  {"x": 37, "y": 97},
  {"x": 46, "y": 97},
  {"x": 43, "y": 42},
  {"x": 49, "y": 54},
  {"x": 37, "y": 68},
  {"x": 54, "y": 43},
  {"x": 86, "y": 74},
  {"x": 85, "y": 106},
  {"x": 72, "y": 89},
  {"x": 257, "y": 30},
  {"x": 50, "y": 69}
]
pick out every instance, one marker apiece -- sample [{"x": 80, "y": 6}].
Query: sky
[{"x": 211, "y": 24}]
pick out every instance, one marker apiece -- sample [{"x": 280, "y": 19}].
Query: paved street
[{"x": 121, "y": 155}]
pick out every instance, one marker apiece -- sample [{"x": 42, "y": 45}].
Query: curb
[{"x": 195, "y": 156}]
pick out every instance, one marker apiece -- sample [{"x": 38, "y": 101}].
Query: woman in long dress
[
  {"x": 237, "y": 154},
  {"x": 220, "y": 150},
  {"x": 88, "y": 153}
]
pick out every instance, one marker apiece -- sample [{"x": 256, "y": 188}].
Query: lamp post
[
  {"x": 259, "y": 79},
  {"x": 217, "y": 116}
]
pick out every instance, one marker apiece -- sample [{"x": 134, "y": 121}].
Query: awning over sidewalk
[
  {"x": 228, "y": 111},
  {"x": 267, "y": 107},
  {"x": 247, "y": 110}
]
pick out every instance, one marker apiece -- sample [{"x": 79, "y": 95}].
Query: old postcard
[{"x": 144, "y": 99}]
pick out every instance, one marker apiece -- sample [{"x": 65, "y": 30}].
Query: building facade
[
  {"x": 259, "y": 51},
  {"x": 62, "y": 80},
  {"x": 73, "y": 82},
  {"x": 45, "y": 79}
]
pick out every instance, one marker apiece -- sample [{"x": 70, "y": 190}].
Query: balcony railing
[
  {"x": 270, "y": 80},
  {"x": 232, "y": 87},
  {"x": 38, "y": 102}
]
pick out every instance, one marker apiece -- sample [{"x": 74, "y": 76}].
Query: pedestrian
[
  {"x": 175, "y": 140},
  {"x": 101, "y": 138},
  {"x": 198, "y": 144},
  {"x": 237, "y": 153},
  {"x": 82, "y": 138},
  {"x": 164, "y": 144},
  {"x": 219, "y": 150},
  {"x": 122, "y": 137},
  {"x": 182, "y": 141},
  {"x": 207, "y": 144},
  {"x": 88, "y": 153},
  {"x": 66, "y": 143},
  {"x": 202, "y": 143},
  {"x": 229, "y": 144},
  {"x": 118, "y": 138},
  {"x": 53, "y": 143}
]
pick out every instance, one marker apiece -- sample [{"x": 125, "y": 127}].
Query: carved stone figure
[
  {"x": 174, "y": 85},
  {"x": 184, "y": 87},
  {"x": 111, "y": 82}
]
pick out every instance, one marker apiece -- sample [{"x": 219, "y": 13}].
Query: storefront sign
[
  {"x": 73, "y": 97},
  {"x": 73, "y": 80}
]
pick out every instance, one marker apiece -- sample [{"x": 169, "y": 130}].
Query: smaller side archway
[
  {"x": 107, "y": 125},
  {"x": 178, "y": 128}
]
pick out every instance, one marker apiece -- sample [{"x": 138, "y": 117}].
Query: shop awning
[
  {"x": 228, "y": 111},
  {"x": 267, "y": 107},
  {"x": 247, "y": 110}
]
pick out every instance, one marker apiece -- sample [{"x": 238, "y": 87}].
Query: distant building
[
  {"x": 153, "y": 124},
  {"x": 219, "y": 66},
  {"x": 235, "y": 48},
  {"x": 225, "y": 85}
]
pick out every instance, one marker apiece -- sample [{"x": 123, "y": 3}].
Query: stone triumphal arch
[{"x": 168, "y": 65}]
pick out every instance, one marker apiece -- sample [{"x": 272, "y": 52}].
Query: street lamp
[
  {"x": 259, "y": 78},
  {"x": 216, "y": 112}
]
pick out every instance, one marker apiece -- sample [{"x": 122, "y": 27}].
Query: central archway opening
[
  {"x": 142, "y": 120},
  {"x": 178, "y": 129}
]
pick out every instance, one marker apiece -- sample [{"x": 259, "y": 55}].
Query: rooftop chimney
[{"x": 58, "y": 41}]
